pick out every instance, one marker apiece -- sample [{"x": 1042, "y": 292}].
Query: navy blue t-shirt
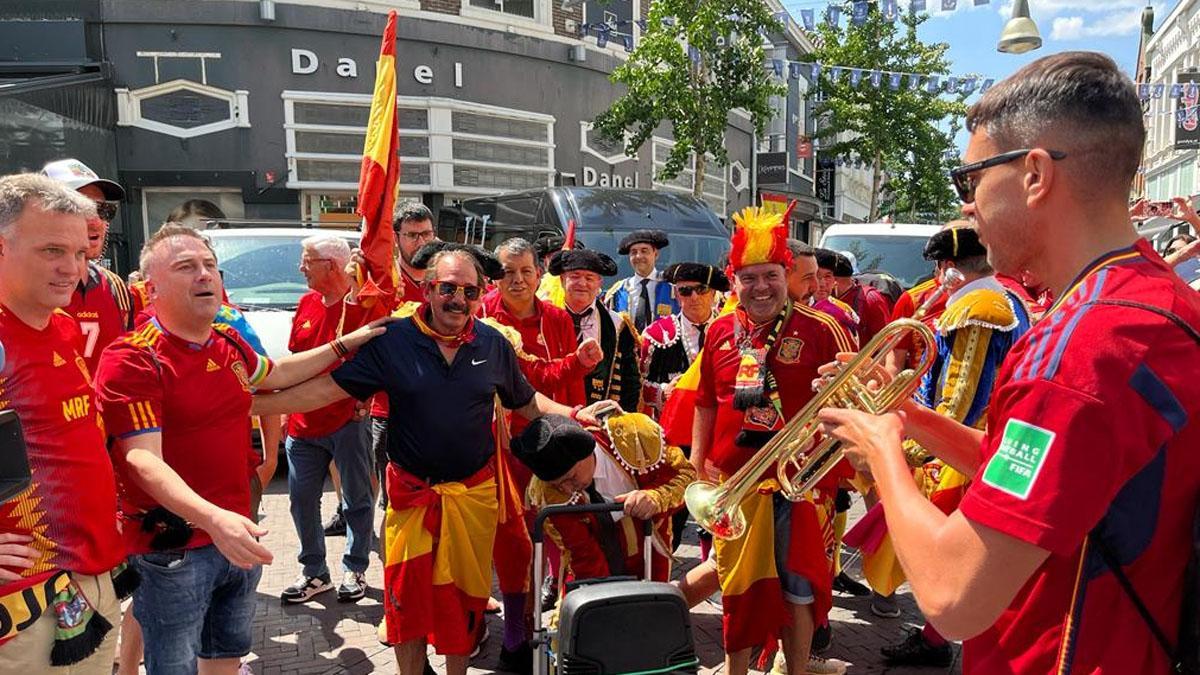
[{"x": 439, "y": 415}]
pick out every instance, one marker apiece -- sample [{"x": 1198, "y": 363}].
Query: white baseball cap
[{"x": 75, "y": 175}]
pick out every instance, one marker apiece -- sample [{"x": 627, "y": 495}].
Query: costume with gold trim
[
  {"x": 669, "y": 346},
  {"x": 633, "y": 446},
  {"x": 617, "y": 376}
]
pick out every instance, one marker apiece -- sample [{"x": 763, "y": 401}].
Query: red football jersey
[
  {"x": 198, "y": 397},
  {"x": 104, "y": 309},
  {"x": 1093, "y": 425},
  {"x": 314, "y": 325},
  {"x": 808, "y": 340},
  {"x": 70, "y": 508}
]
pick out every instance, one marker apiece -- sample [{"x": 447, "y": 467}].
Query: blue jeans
[
  {"x": 193, "y": 603},
  {"x": 308, "y": 464}
]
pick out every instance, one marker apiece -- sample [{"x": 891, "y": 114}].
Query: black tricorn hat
[
  {"x": 826, "y": 259},
  {"x": 550, "y": 244},
  {"x": 656, "y": 238},
  {"x": 583, "y": 259},
  {"x": 492, "y": 268},
  {"x": 705, "y": 274},
  {"x": 954, "y": 243},
  {"x": 842, "y": 267},
  {"x": 551, "y": 445}
]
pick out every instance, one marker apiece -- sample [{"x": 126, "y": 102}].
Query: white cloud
[{"x": 1067, "y": 28}]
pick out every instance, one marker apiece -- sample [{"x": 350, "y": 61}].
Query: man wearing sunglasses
[
  {"x": 442, "y": 371},
  {"x": 101, "y": 304},
  {"x": 1086, "y": 480}
]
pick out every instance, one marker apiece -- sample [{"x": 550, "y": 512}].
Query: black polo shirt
[{"x": 439, "y": 416}]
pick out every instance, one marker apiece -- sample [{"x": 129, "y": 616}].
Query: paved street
[{"x": 325, "y": 637}]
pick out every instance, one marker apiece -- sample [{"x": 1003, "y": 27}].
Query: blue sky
[{"x": 1109, "y": 26}]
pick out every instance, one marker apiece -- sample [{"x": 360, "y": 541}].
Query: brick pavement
[{"x": 324, "y": 637}]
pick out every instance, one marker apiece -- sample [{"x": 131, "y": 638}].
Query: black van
[{"x": 603, "y": 216}]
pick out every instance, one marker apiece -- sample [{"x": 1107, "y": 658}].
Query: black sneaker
[
  {"x": 336, "y": 527},
  {"x": 352, "y": 588},
  {"x": 842, "y": 583},
  {"x": 549, "y": 593},
  {"x": 915, "y": 651},
  {"x": 822, "y": 638},
  {"x": 519, "y": 660},
  {"x": 884, "y": 606},
  {"x": 305, "y": 589}
]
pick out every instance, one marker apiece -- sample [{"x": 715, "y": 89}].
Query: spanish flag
[
  {"x": 380, "y": 174},
  {"x": 679, "y": 410}
]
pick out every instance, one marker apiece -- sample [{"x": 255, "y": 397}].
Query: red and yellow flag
[{"x": 380, "y": 175}]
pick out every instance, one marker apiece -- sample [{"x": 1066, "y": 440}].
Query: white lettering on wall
[
  {"x": 304, "y": 62},
  {"x": 593, "y": 178},
  {"x": 423, "y": 74},
  {"x": 347, "y": 68}
]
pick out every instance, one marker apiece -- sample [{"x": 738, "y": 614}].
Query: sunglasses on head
[
  {"x": 965, "y": 182},
  {"x": 448, "y": 289},
  {"x": 687, "y": 291},
  {"x": 106, "y": 210}
]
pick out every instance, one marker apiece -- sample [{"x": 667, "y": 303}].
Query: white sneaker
[{"x": 816, "y": 666}]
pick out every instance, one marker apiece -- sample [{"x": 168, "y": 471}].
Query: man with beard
[
  {"x": 101, "y": 304},
  {"x": 824, "y": 295},
  {"x": 442, "y": 371},
  {"x": 756, "y": 372},
  {"x": 1068, "y": 550},
  {"x": 616, "y": 376},
  {"x": 868, "y": 304},
  {"x": 176, "y": 395}
]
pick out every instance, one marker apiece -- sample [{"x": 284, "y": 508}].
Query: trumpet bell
[{"x": 703, "y": 501}]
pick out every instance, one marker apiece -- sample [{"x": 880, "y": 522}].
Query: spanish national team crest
[
  {"x": 239, "y": 369},
  {"x": 83, "y": 369},
  {"x": 789, "y": 349}
]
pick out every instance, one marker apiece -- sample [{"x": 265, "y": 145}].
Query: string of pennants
[{"x": 966, "y": 84}]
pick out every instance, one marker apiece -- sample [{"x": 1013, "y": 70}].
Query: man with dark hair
[
  {"x": 824, "y": 295},
  {"x": 413, "y": 223},
  {"x": 1087, "y": 471},
  {"x": 442, "y": 371},
  {"x": 643, "y": 296},
  {"x": 866, "y": 302}
]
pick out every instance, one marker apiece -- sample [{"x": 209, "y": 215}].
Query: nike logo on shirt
[{"x": 475, "y": 363}]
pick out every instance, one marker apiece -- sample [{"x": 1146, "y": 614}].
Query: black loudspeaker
[
  {"x": 625, "y": 627},
  {"x": 14, "y": 462}
]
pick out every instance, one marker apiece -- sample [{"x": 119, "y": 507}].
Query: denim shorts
[
  {"x": 193, "y": 603},
  {"x": 796, "y": 589}
]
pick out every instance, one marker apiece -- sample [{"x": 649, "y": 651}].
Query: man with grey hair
[
  {"x": 442, "y": 371},
  {"x": 331, "y": 433},
  {"x": 176, "y": 395},
  {"x": 1069, "y": 549},
  {"x": 59, "y": 544}
]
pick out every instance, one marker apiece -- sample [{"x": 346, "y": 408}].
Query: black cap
[
  {"x": 583, "y": 259},
  {"x": 954, "y": 243},
  {"x": 826, "y": 259},
  {"x": 708, "y": 275},
  {"x": 656, "y": 238},
  {"x": 551, "y": 446},
  {"x": 492, "y": 268},
  {"x": 547, "y": 245},
  {"x": 842, "y": 266}
]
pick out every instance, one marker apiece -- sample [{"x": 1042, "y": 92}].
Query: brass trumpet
[{"x": 717, "y": 508}]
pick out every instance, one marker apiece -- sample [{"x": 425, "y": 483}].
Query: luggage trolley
[{"x": 613, "y": 625}]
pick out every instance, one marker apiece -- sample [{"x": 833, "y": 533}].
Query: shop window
[
  {"x": 486, "y": 125},
  {"x": 500, "y": 153},
  {"x": 523, "y": 8},
  {"x": 715, "y": 177},
  {"x": 499, "y": 179}
]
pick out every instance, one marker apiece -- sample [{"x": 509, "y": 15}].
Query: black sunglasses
[
  {"x": 107, "y": 210},
  {"x": 447, "y": 289},
  {"x": 964, "y": 184},
  {"x": 687, "y": 291}
]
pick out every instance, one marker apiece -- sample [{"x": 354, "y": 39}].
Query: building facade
[{"x": 259, "y": 107}]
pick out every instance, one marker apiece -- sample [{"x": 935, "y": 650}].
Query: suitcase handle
[{"x": 539, "y": 533}]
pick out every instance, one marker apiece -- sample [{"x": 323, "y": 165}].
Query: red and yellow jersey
[
  {"x": 70, "y": 507},
  {"x": 103, "y": 307},
  {"x": 1093, "y": 426},
  {"x": 198, "y": 397},
  {"x": 314, "y": 324},
  {"x": 808, "y": 340}
]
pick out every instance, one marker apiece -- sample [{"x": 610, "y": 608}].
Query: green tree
[
  {"x": 893, "y": 130},
  {"x": 696, "y": 61}
]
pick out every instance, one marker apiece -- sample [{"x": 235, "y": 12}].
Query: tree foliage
[
  {"x": 696, "y": 61},
  {"x": 893, "y": 130}
]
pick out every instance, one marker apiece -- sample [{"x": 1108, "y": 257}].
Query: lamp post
[{"x": 1020, "y": 34}]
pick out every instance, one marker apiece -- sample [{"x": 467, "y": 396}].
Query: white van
[{"x": 894, "y": 248}]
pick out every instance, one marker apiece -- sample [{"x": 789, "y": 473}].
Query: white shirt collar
[
  {"x": 637, "y": 278},
  {"x": 989, "y": 282}
]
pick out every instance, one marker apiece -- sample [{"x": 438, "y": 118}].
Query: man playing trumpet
[{"x": 756, "y": 372}]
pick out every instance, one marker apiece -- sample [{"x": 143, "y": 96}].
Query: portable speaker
[
  {"x": 14, "y": 463},
  {"x": 617, "y": 627}
]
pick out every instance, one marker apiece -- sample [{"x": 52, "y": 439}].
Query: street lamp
[{"x": 1020, "y": 34}]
